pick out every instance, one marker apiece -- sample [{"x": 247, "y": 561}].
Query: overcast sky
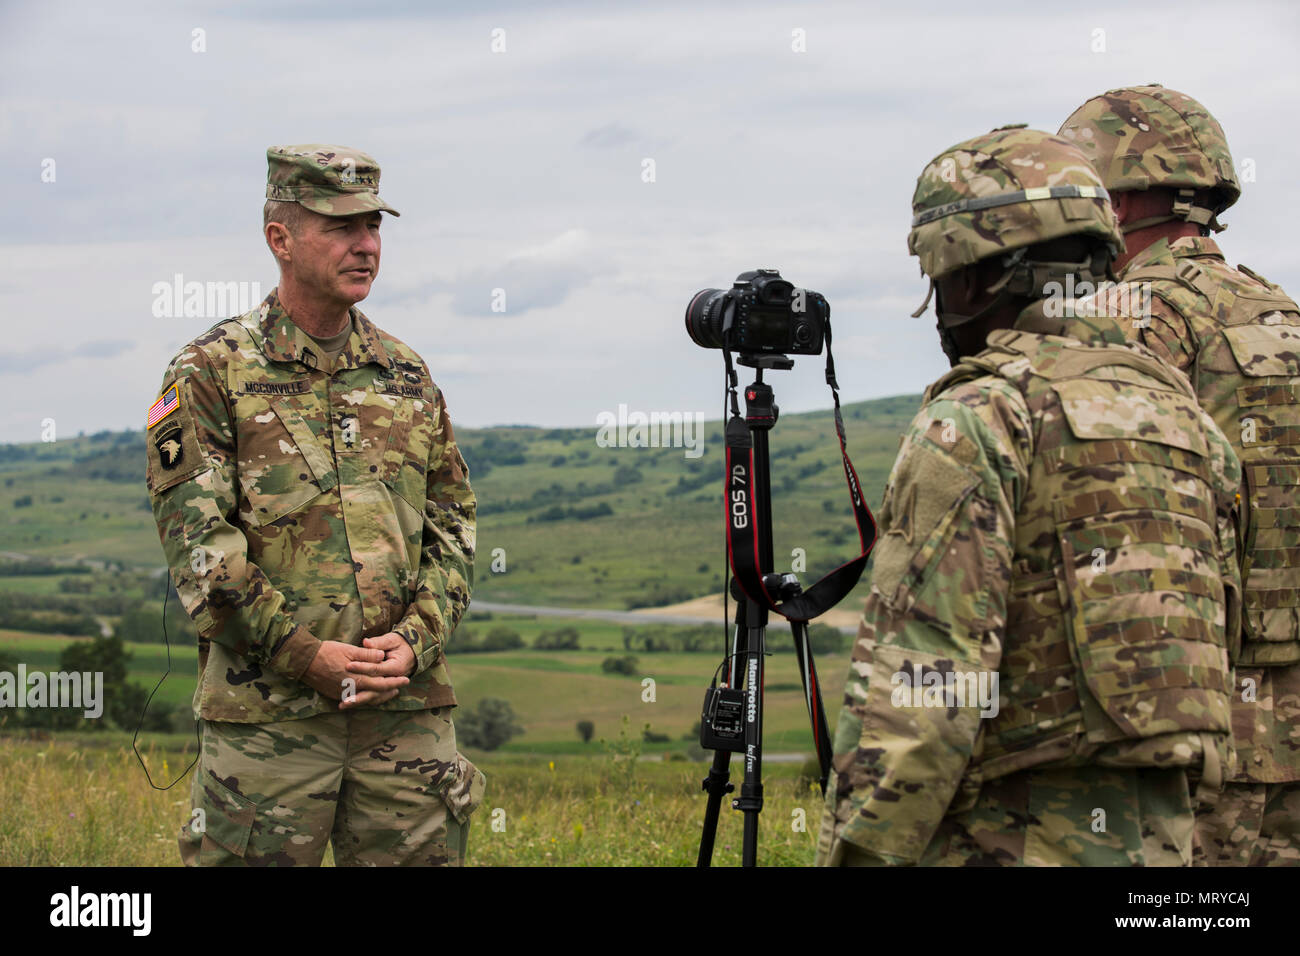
[{"x": 522, "y": 170}]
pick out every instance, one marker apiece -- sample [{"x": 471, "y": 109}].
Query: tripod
[{"x": 732, "y": 721}]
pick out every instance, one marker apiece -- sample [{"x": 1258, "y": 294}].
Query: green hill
[{"x": 580, "y": 525}]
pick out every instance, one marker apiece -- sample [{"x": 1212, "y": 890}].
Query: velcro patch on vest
[
  {"x": 1123, "y": 451},
  {"x": 1249, "y": 395},
  {"x": 1150, "y": 500},
  {"x": 1273, "y": 474}
]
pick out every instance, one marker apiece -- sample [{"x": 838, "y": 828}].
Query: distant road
[
  {"x": 538, "y": 610},
  {"x": 95, "y": 563},
  {"x": 591, "y": 613},
  {"x": 620, "y": 617}
]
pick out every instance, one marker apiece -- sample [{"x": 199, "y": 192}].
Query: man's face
[
  {"x": 337, "y": 257},
  {"x": 964, "y": 292}
]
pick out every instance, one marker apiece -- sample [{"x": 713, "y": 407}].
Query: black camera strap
[{"x": 739, "y": 496}]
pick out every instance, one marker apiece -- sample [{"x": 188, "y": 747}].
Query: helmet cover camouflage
[
  {"x": 1140, "y": 137},
  {"x": 330, "y": 180},
  {"x": 1004, "y": 190}
]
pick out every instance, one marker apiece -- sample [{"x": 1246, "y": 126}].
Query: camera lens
[{"x": 704, "y": 318}]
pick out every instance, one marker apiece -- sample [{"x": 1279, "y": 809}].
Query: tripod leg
[
  {"x": 751, "y": 790},
  {"x": 718, "y": 783},
  {"x": 812, "y": 694}
]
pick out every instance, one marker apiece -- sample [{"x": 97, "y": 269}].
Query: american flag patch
[{"x": 169, "y": 402}]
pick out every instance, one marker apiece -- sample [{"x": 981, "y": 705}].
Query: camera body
[{"x": 760, "y": 314}]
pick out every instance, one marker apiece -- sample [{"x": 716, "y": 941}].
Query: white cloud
[{"x": 522, "y": 171}]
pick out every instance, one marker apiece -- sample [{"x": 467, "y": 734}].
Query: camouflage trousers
[
  {"x": 387, "y": 787},
  {"x": 1251, "y": 824},
  {"x": 1083, "y": 816}
]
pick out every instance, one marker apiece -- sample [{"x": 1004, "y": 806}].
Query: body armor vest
[
  {"x": 1247, "y": 376},
  {"x": 1115, "y": 649}
]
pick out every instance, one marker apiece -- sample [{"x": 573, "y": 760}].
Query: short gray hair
[{"x": 291, "y": 215}]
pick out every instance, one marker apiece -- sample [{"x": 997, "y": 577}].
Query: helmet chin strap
[
  {"x": 924, "y": 305},
  {"x": 951, "y": 320},
  {"x": 1022, "y": 279},
  {"x": 954, "y": 319},
  {"x": 948, "y": 344}
]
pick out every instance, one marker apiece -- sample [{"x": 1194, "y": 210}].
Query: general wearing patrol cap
[{"x": 330, "y": 180}]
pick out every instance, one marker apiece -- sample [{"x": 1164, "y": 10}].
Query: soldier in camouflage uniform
[
  {"x": 1059, "y": 518},
  {"x": 1166, "y": 163},
  {"x": 318, "y": 521}
]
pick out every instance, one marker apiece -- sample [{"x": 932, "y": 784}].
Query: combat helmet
[
  {"x": 1140, "y": 137},
  {"x": 998, "y": 195}
]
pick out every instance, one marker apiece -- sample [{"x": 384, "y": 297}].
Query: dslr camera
[{"x": 760, "y": 314}]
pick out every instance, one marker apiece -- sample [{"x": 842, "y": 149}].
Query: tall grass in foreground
[{"x": 63, "y": 803}]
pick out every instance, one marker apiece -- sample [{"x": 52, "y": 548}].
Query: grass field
[
  {"x": 562, "y": 812},
  {"x": 83, "y": 798},
  {"x": 549, "y": 690},
  {"x": 575, "y": 524}
]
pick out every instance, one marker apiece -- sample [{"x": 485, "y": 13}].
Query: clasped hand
[{"x": 356, "y": 676}]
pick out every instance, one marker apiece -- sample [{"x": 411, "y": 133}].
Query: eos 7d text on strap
[{"x": 775, "y": 590}]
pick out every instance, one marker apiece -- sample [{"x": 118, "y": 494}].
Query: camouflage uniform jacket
[
  {"x": 1237, "y": 337},
  {"x": 297, "y": 506},
  {"x": 1055, "y": 449}
]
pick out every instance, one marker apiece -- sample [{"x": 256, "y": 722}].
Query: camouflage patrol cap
[
  {"x": 1138, "y": 137},
  {"x": 1010, "y": 188},
  {"x": 330, "y": 180}
]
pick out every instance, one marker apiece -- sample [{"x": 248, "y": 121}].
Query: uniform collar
[
  {"x": 282, "y": 341},
  {"x": 1165, "y": 252},
  {"x": 1088, "y": 329}
]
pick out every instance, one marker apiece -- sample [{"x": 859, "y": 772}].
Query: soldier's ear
[{"x": 280, "y": 241}]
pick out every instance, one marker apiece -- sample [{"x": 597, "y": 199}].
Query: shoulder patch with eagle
[{"x": 173, "y": 446}]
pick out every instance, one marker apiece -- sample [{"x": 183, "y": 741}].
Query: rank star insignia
[{"x": 169, "y": 448}]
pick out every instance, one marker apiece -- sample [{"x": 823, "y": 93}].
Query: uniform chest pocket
[
  {"x": 400, "y": 422},
  {"x": 282, "y": 465},
  {"x": 1270, "y": 410},
  {"x": 1265, "y": 350}
]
